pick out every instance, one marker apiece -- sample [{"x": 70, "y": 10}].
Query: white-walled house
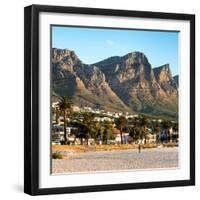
[
  {"x": 151, "y": 138},
  {"x": 58, "y": 133},
  {"x": 125, "y": 136}
]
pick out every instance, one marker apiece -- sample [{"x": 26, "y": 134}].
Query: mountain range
[{"x": 126, "y": 83}]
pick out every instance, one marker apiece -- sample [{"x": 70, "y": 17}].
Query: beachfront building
[
  {"x": 57, "y": 134},
  {"x": 151, "y": 138},
  {"x": 125, "y": 136}
]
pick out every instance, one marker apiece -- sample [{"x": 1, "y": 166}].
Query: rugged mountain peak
[
  {"x": 163, "y": 73},
  {"x": 164, "y": 67},
  {"x": 130, "y": 58},
  {"x": 164, "y": 77},
  {"x": 64, "y": 60},
  {"x": 132, "y": 66},
  {"x": 108, "y": 61},
  {"x": 64, "y": 55},
  {"x": 136, "y": 58}
]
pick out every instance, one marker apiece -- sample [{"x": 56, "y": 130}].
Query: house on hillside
[{"x": 102, "y": 119}]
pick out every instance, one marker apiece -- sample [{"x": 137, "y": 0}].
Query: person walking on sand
[{"x": 139, "y": 148}]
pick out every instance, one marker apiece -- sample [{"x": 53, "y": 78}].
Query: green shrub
[
  {"x": 62, "y": 142},
  {"x": 56, "y": 156}
]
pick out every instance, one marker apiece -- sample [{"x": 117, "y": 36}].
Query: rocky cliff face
[
  {"x": 85, "y": 83},
  {"x": 176, "y": 79},
  {"x": 142, "y": 88},
  {"x": 164, "y": 78},
  {"x": 127, "y": 83}
]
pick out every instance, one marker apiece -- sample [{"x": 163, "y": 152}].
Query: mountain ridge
[{"x": 126, "y": 83}]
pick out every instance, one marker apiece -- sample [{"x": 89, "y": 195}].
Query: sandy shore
[{"x": 117, "y": 160}]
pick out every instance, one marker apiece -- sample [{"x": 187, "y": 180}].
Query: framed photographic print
[{"x": 109, "y": 100}]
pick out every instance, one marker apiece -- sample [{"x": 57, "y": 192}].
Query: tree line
[{"x": 88, "y": 128}]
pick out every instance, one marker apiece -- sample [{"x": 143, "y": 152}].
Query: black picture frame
[{"x": 31, "y": 99}]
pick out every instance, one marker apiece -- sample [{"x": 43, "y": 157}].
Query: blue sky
[{"x": 92, "y": 45}]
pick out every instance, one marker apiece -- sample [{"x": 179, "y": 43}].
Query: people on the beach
[{"x": 139, "y": 148}]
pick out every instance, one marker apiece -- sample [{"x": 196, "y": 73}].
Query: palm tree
[
  {"x": 65, "y": 107},
  {"x": 86, "y": 127},
  {"x": 156, "y": 129},
  {"x": 107, "y": 133},
  {"x": 121, "y": 124},
  {"x": 144, "y": 125},
  {"x": 134, "y": 132}
]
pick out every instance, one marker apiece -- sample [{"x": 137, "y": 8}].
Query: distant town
[{"x": 73, "y": 125}]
